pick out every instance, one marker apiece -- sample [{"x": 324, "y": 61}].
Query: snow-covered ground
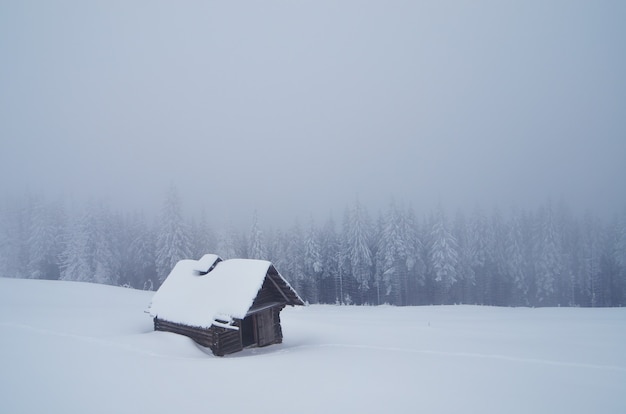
[{"x": 69, "y": 347}]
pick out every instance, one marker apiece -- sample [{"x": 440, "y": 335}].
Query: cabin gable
[{"x": 268, "y": 294}]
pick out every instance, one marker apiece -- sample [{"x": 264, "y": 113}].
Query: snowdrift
[{"x": 77, "y": 348}]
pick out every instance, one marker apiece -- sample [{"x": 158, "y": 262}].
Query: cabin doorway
[
  {"x": 248, "y": 337},
  {"x": 258, "y": 329}
]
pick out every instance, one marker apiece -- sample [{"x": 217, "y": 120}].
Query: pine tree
[
  {"x": 44, "y": 241},
  {"x": 465, "y": 271},
  {"x": 277, "y": 250},
  {"x": 481, "y": 241},
  {"x": 79, "y": 249},
  {"x": 203, "y": 239},
  {"x": 620, "y": 259},
  {"x": 295, "y": 268},
  {"x": 358, "y": 252},
  {"x": 379, "y": 268},
  {"x": 515, "y": 262},
  {"x": 443, "y": 255},
  {"x": 609, "y": 278},
  {"x": 330, "y": 258},
  {"x": 141, "y": 260},
  {"x": 312, "y": 262},
  {"x": 242, "y": 245},
  {"x": 90, "y": 254},
  {"x": 393, "y": 256},
  {"x": 549, "y": 264},
  {"x": 620, "y": 247},
  {"x": 257, "y": 247},
  {"x": 14, "y": 225},
  {"x": 172, "y": 243},
  {"x": 415, "y": 264},
  {"x": 565, "y": 229},
  {"x": 106, "y": 258},
  {"x": 501, "y": 285},
  {"x": 5, "y": 242},
  {"x": 227, "y": 243}
]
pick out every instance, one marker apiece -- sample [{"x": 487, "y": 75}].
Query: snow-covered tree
[
  {"x": 44, "y": 241},
  {"x": 549, "y": 264},
  {"x": 620, "y": 246},
  {"x": 77, "y": 255},
  {"x": 611, "y": 286},
  {"x": 14, "y": 225},
  {"x": 295, "y": 267},
  {"x": 358, "y": 253},
  {"x": 173, "y": 242},
  {"x": 591, "y": 259},
  {"x": 415, "y": 263},
  {"x": 312, "y": 262},
  {"x": 481, "y": 239},
  {"x": 330, "y": 258},
  {"x": 203, "y": 238},
  {"x": 393, "y": 256},
  {"x": 256, "y": 242},
  {"x": 515, "y": 262},
  {"x": 90, "y": 253},
  {"x": 106, "y": 254},
  {"x": 140, "y": 267},
  {"x": 443, "y": 254},
  {"x": 276, "y": 249},
  {"x": 227, "y": 243},
  {"x": 620, "y": 258},
  {"x": 5, "y": 241},
  {"x": 500, "y": 285},
  {"x": 464, "y": 269}
]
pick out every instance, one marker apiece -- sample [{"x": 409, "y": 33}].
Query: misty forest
[
  {"x": 544, "y": 257},
  {"x": 442, "y": 182}
]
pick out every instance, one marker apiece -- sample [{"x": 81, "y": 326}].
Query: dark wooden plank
[
  {"x": 228, "y": 343},
  {"x": 265, "y": 327},
  {"x": 202, "y": 336}
]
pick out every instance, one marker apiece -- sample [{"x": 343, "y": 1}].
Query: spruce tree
[
  {"x": 465, "y": 272},
  {"x": 515, "y": 262},
  {"x": 172, "y": 243},
  {"x": 79, "y": 249},
  {"x": 443, "y": 256},
  {"x": 358, "y": 253},
  {"x": 257, "y": 246},
  {"x": 393, "y": 256},
  {"x": 330, "y": 258},
  {"x": 44, "y": 241},
  {"x": 312, "y": 262},
  {"x": 294, "y": 258},
  {"x": 549, "y": 263}
]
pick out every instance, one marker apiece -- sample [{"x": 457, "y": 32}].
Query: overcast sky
[{"x": 299, "y": 107}]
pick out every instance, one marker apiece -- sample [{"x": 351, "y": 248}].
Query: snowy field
[{"x": 69, "y": 347}]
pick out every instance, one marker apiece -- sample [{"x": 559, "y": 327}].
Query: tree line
[{"x": 543, "y": 257}]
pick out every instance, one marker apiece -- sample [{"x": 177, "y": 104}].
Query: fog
[{"x": 299, "y": 108}]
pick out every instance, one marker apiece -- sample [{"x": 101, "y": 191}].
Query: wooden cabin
[{"x": 224, "y": 305}]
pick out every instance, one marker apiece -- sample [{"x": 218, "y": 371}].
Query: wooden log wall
[
  {"x": 228, "y": 341},
  {"x": 221, "y": 341},
  {"x": 203, "y": 336}
]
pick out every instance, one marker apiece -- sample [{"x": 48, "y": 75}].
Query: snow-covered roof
[
  {"x": 207, "y": 262},
  {"x": 195, "y": 298}
]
